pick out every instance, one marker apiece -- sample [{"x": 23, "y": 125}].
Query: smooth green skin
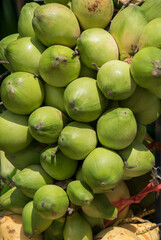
[
  {"x": 28, "y": 156},
  {"x": 13, "y": 200},
  {"x": 83, "y": 100},
  {"x": 93, "y": 14},
  {"x": 101, "y": 207},
  {"x": 79, "y": 194},
  {"x": 77, "y": 140},
  {"x": 3, "y": 44},
  {"x": 17, "y": 94},
  {"x": 139, "y": 101},
  {"x": 7, "y": 170},
  {"x": 117, "y": 128},
  {"x": 56, "y": 24},
  {"x": 144, "y": 68},
  {"x": 24, "y": 54},
  {"x": 149, "y": 38},
  {"x": 51, "y": 202},
  {"x": 110, "y": 74},
  {"x": 30, "y": 179},
  {"x": 96, "y": 46},
  {"x": 87, "y": 72},
  {"x": 76, "y": 227},
  {"x": 56, "y": 164},
  {"x": 54, "y": 97},
  {"x": 141, "y": 132},
  {"x": 126, "y": 28},
  {"x": 64, "y": 2},
  {"x": 97, "y": 224},
  {"x": 102, "y": 169},
  {"x": 156, "y": 91},
  {"x": 55, "y": 231},
  {"x": 150, "y": 114},
  {"x": 33, "y": 223},
  {"x": 14, "y": 132},
  {"x": 25, "y": 28},
  {"x": 45, "y": 124},
  {"x": 152, "y": 9},
  {"x": 58, "y": 67},
  {"x": 138, "y": 155}
]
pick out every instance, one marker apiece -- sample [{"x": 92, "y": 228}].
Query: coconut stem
[
  {"x": 4, "y": 74},
  {"x": 95, "y": 65}
]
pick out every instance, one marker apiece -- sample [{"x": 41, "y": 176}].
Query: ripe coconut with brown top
[{"x": 94, "y": 13}]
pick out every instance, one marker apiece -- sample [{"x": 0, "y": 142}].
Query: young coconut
[
  {"x": 63, "y": 28},
  {"x": 83, "y": 100},
  {"x": 93, "y": 14},
  {"x": 22, "y": 93},
  {"x": 96, "y": 46},
  {"x": 24, "y": 54}
]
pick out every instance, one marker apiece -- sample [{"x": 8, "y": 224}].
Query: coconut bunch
[{"x": 82, "y": 84}]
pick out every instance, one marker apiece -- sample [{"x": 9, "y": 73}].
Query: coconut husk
[{"x": 11, "y": 228}]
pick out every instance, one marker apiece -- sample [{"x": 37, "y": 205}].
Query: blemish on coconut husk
[
  {"x": 94, "y": 6},
  {"x": 72, "y": 104},
  {"x": 38, "y": 126},
  {"x": 45, "y": 156},
  {"x": 12, "y": 90},
  {"x": 109, "y": 92},
  {"x": 10, "y": 82},
  {"x": 42, "y": 204},
  {"x": 11, "y": 231},
  {"x": 20, "y": 81}
]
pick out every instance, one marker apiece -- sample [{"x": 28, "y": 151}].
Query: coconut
[
  {"x": 3, "y": 44},
  {"x": 110, "y": 74},
  {"x": 25, "y": 28},
  {"x": 63, "y": 28},
  {"x": 83, "y": 100},
  {"x": 17, "y": 94},
  {"x": 58, "y": 67},
  {"x": 24, "y": 54},
  {"x": 152, "y": 9},
  {"x": 14, "y": 132},
  {"x": 126, "y": 28},
  {"x": 96, "y": 46},
  {"x": 93, "y": 14}
]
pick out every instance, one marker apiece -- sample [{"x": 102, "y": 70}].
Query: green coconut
[
  {"x": 83, "y": 100},
  {"x": 77, "y": 140},
  {"x": 13, "y": 200},
  {"x": 14, "y": 132},
  {"x": 145, "y": 68},
  {"x": 139, "y": 157},
  {"x": 55, "y": 230},
  {"x": 87, "y": 72},
  {"x": 116, "y": 128},
  {"x": 63, "y": 28},
  {"x": 58, "y": 66},
  {"x": 28, "y": 156},
  {"x": 152, "y": 9},
  {"x": 45, "y": 124},
  {"x": 93, "y": 14},
  {"x": 3, "y": 44},
  {"x": 101, "y": 207},
  {"x": 56, "y": 164},
  {"x": 54, "y": 97},
  {"x": 76, "y": 227},
  {"x": 96, "y": 46},
  {"x": 126, "y": 28},
  {"x": 17, "y": 94},
  {"x": 7, "y": 169},
  {"x": 50, "y": 202},
  {"x": 79, "y": 193},
  {"x": 110, "y": 74},
  {"x": 149, "y": 38},
  {"x": 24, "y": 54},
  {"x": 33, "y": 223},
  {"x": 30, "y": 179},
  {"x": 102, "y": 169},
  {"x": 25, "y": 28},
  {"x": 64, "y": 2}
]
